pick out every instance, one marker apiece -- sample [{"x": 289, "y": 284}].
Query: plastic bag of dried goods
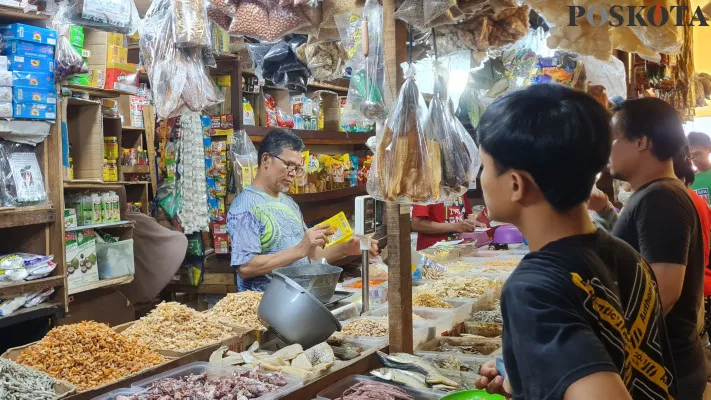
[
  {"x": 21, "y": 180},
  {"x": 665, "y": 39},
  {"x": 190, "y": 23},
  {"x": 264, "y": 21},
  {"x": 244, "y": 158},
  {"x": 459, "y": 154},
  {"x": 105, "y": 15},
  {"x": 67, "y": 61},
  {"x": 407, "y": 168},
  {"x": 611, "y": 74},
  {"x": 326, "y": 59}
]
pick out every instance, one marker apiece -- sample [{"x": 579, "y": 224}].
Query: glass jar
[
  {"x": 111, "y": 148},
  {"x": 113, "y": 171},
  {"x": 71, "y": 168}
]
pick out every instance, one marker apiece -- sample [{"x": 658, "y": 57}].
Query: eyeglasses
[{"x": 290, "y": 167}]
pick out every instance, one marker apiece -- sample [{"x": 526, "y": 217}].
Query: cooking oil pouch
[{"x": 342, "y": 231}]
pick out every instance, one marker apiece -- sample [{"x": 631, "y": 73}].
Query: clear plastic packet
[
  {"x": 243, "y": 155},
  {"x": 21, "y": 180},
  {"x": 665, "y": 39},
  {"x": 610, "y": 74},
  {"x": 105, "y": 15},
  {"x": 190, "y": 27},
  {"x": 38, "y": 297},
  {"x": 262, "y": 21},
  {"x": 459, "y": 153},
  {"x": 407, "y": 167},
  {"x": 520, "y": 58},
  {"x": 326, "y": 60},
  {"x": 441, "y": 12},
  {"x": 412, "y": 12},
  {"x": 219, "y": 17},
  {"x": 623, "y": 38},
  {"x": 67, "y": 61},
  {"x": 226, "y": 7}
]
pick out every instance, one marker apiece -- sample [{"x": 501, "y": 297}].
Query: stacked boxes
[
  {"x": 76, "y": 39},
  {"x": 81, "y": 257},
  {"x": 30, "y": 61},
  {"x": 109, "y": 55}
]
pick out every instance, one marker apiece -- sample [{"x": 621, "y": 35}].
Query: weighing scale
[{"x": 365, "y": 223}]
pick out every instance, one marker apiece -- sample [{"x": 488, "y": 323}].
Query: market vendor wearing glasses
[{"x": 266, "y": 227}]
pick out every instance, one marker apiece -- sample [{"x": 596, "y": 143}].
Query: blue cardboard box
[
  {"x": 34, "y": 95},
  {"x": 34, "y": 110},
  {"x": 42, "y": 80},
  {"x": 30, "y": 64},
  {"x": 29, "y": 33},
  {"x": 27, "y": 49}
]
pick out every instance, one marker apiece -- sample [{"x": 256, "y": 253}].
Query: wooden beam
[{"x": 149, "y": 122}]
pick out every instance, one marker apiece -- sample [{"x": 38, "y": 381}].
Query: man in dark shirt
[
  {"x": 582, "y": 317},
  {"x": 660, "y": 222}
]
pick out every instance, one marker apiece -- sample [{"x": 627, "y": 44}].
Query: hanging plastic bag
[
  {"x": 412, "y": 12},
  {"x": 326, "y": 60},
  {"x": 441, "y": 12},
  {"x": 265, "y": 21},
  {"x": 611, "y": 74},
  {"x": 408, "y": 164},
  {"x": 67, "y": 61},
  {"x": 665, "y": 39},
  {"x": 190, "y": 24},
  {"x": 244, "y": 159},
  {"x": 21, "y": 180},
  {"x": 119, "y": 16},
  {"x": 459, "y": 153}
]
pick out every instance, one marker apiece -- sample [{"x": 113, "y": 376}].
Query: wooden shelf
[
  {"x": 90, "y": 184},
  {"x": 17, "y": 288},
  {"x": 328, "y": 86},
  {"x": 135, "y": 169},
  {"x": 26, "y": 314},
  {"x": 96, "y": 92},
  {"x": 329, "y": 195},
  {"x": 135, "y": 183},
  {"x": 23, "y": 216},
  {"x": 16, "y": 13},
  {"x": 257, "y": 133},
  {"x": 132, "y": 128},
  {"x": 119, "y": 224},
  {"x": 73, "y": 101},
  {"x": 103, "y": 283}
]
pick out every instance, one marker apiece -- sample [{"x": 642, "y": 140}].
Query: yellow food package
[{"x": 342, "y": 231}]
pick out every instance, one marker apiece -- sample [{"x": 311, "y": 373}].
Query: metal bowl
[
  {"x": 295, "y": 314},
  {"x": 318, "y": 279}
]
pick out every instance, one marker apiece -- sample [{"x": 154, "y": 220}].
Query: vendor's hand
[
  {"x": 464, "y": 226},
  {"x": 313, "y": 238},
  {"x": 492, "y": 381},
  {"x": 353, "y": 248},
  {"x": 478, "y": 224},
  {"x": 598, "y": 200}
]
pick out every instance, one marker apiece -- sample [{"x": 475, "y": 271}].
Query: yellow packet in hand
[{"x": 340, "y": 227}]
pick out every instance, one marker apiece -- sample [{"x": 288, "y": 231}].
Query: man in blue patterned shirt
[{"x": 266, "y": 227}]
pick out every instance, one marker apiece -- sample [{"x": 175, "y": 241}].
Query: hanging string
[
  {"x": 434, "y": 43},
  {"x": 410, "y": 44}
]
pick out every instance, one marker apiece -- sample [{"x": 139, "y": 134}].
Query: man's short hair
[
  {"x": 278, "y": 140},
  {"x": 699, "y": 139},
  {"x": 655, "y": 119},
  {"x": 559, "y": 135}
]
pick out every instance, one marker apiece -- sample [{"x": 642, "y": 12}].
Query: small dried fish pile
[
  {"x": 458, "y": 267},
  {"x": 18, "y": 382},
  {"x": 490, "y": 316},
  {"x": 426, "y": 299},
  {"x": 452, "y": 363},
  {"x": 375, "y": 391},
  {"x": 366, "y": 327},
  {"x": 461, "y": 286},
  {"x": 88, "y": 354},
  {"x": 239, "y": 309},
  {"x": 173, "y": 326},
  {"x": 434, "y": 274},
  {"x": 239, "y": 386}
]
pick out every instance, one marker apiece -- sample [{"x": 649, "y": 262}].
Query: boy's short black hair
[
  {"x": 699, "y": 139},
  {"x": 559, "y": 135},
  {"x": 655, "y": 119},
  {"x": 278, "y": 140}
]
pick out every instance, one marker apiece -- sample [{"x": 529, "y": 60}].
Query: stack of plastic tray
[
  {"x": 347, "y": 312},
  {"x": 335, "y": 391},
  {"x": 378, "y": 293},
  {"x": 443, "y": 319},
  {"x": 420, "y": 334},
  {"x": 197, "y": 368}
]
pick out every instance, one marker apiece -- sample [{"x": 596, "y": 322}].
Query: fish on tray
[
  {"x": 404, "y": 361},
  {"x": 408, "y": 378}
]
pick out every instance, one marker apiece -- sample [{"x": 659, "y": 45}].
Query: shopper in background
[
  {"x": 700, "y": 148},
  {"x": 661, "y": 222},
  {"x": 582, "y": 316},
  {"x": 266, "y": 228},
  {"x": 443, "y": 221}
]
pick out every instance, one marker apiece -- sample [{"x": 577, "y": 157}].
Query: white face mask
[{"x": 623, "y": 196}]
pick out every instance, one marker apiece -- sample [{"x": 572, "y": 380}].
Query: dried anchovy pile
[
  {"x": 18, "y": 382},
  {"x": 454, "y": 364},
  {"x": 239, "y": 309},
  {"x": 88, "y": 354},
  {"x": 426, "y": 299},
  {"x": 490, "y": 316},
  {"x": 174, "y": 326},
  {"x": 369, "y": 390},
  {"x": 366, "y": 327},
  {"x": 461, "y": 286},
  {"x": 240, "y": 386}
]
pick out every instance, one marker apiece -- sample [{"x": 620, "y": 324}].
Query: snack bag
[{"x": 408, "y": 163}]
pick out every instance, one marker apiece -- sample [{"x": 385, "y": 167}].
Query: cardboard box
[
  {"x": 34, "y": 95},
  {"x": 29, "y": 33},
  {"x": 97, "y": 78},
  {"x": 84, "y": 128},
  {"x": 31, "y": 64},
  {"x": 122, "y": 77},
  {"x": 117, "y": 55},
  {"x": 34, "y": 110},
  {"x": 5, "y": 94},
  {"x": 70, "y": 218},
  {"x": 5, "y": 109},
  {"x": 42, "y": 80},
  {"x": 28, "y": 49},
  {"x": 81, "y": 257},
  {"x": 115, "y": 39},
  {"x": 80, "y": 80}
]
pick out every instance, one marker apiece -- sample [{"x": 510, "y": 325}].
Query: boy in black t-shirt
[{"x": 582, "y": 316}]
